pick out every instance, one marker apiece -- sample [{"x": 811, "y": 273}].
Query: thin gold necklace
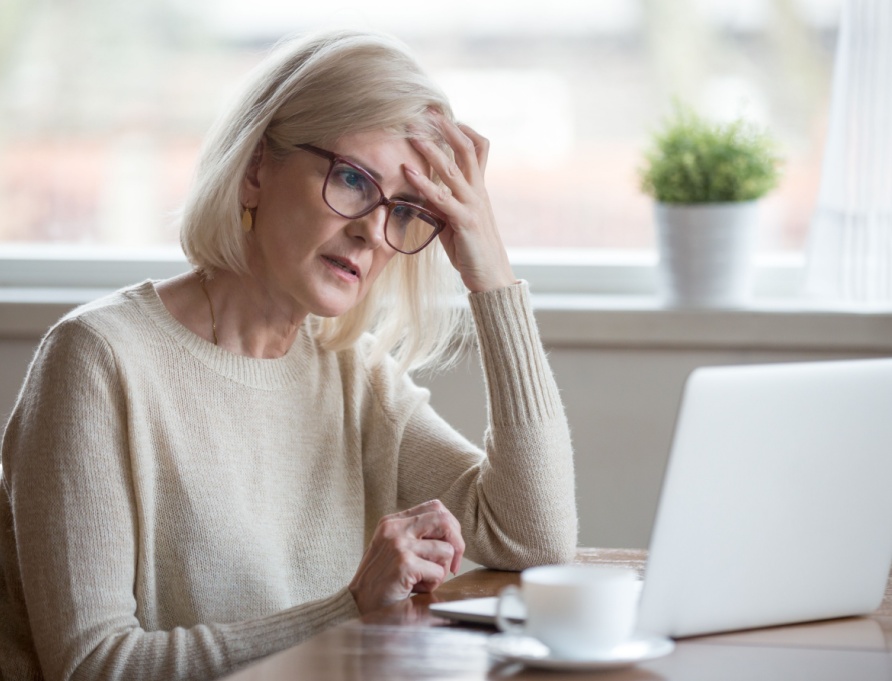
[{"x": 207, "y": 295}]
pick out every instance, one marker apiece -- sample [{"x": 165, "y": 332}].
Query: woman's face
[{"x": 299, "y": 247}]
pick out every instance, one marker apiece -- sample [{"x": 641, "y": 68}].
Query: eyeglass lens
[{"x": 352, "y": 193}]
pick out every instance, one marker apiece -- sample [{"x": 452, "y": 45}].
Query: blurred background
[{"x": 104, "y": 104}]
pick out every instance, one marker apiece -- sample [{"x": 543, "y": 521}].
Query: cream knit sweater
[{"x": 170, "y": 510}]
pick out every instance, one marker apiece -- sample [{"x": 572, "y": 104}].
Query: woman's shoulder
[
  {"x": 87, "y": 341},
  {"x": 110, "y": 306},
  {"x": 120, "y": 314}
]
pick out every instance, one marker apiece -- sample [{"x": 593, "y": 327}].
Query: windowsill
[
  {"x": 593, "y": 320},
  {"x": 584, "y": 299},
  {"x": 775, "y": 324}
]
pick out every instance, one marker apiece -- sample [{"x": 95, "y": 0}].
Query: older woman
[{"x": 205, "y": 470}]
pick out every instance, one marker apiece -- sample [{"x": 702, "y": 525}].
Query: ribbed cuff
[{"x": 268, "y": 635}]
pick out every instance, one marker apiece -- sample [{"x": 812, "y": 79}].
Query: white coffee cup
[{"x": 578, "y": 611}]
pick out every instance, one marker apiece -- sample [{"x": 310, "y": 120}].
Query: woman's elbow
[
  {"x": 553, "y": 551},
  {"x": 541, "y": 550}
]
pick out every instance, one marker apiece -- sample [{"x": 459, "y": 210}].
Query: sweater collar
[{"x": 268, "y": 374}]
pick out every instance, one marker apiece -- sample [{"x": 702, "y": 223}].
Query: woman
[{"x": 205, "y": 470}]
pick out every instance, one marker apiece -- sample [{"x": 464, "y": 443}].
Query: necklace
[{"x": 204, "y": 287}]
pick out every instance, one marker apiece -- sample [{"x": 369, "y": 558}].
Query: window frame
[
  {"x": 549, "y": 271},
  {"x": 582, "y": 300}
]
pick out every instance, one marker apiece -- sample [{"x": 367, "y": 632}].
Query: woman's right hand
[{"x": 411, "y": 551}]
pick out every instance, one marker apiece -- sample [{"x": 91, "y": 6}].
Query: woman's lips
[{"x": 342, "y": 266}]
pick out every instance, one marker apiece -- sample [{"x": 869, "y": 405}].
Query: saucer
[{"x": 534, "y": 653}]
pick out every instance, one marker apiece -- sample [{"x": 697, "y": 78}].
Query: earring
[{"x": 247, "y": 220}]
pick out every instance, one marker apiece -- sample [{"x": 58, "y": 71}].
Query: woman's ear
[{"x": 250, "y": 194}]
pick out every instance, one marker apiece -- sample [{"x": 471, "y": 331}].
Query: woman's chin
[{"x": 331, "y": 309}]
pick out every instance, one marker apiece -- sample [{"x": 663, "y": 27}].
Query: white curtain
[{"x": 850, "y": 248}]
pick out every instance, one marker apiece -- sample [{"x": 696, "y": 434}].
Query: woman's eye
[
  {"x": 348, "y": 177},
  {"x": 403, "y": 215}
]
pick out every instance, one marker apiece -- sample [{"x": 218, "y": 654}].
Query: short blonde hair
[{"x": 316, "y": 89}]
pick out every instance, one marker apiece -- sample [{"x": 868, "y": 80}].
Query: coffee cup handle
[{"x": 509, "y": 593}]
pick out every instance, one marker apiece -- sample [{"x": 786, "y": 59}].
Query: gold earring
[{"x": 247, "y": 220}]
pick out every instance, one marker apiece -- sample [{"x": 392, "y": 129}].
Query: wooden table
[{"x": 406, "y": 642}]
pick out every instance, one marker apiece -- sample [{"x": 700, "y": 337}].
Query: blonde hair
[{"x": 317, "y": 89}]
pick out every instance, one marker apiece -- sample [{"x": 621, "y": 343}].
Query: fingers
[
  {"x": 453, "y": 181},
  {"x": 430, "y": 520},
  {"x": 471, "y": 241},
  {"x": 415, "y": 537},
  {"x": 441, "y": 552},
  {"x": 433, "y": 564},
  {"x": 480, "y": 143},
  {"x": 411, "y": 551},
  {"x": 470, "y": 148},
  {"x": 434, "y": 551},
  {"x": 444, "y": 526},
  {"x": 462, "y": 176},
  {"x": 418, "y": 574}
]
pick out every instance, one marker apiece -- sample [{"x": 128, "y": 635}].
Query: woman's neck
[{"x": 239, "y": 311}]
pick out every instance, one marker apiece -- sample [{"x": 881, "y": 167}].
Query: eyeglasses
[{"x": 351, "y": 192}]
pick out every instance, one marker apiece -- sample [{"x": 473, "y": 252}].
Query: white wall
[
  {"x": 621, "y": 404},
  {"x": 621, "y": 373}
]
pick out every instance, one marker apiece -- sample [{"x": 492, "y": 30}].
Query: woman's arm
[
  {"x": 70, "y": 483},
  {"x": 517, "y": 504}
]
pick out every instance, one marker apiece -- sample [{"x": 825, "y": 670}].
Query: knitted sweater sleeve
[
  {"x": 68, "y": 492},
  {"x": 517, "y": 503}
]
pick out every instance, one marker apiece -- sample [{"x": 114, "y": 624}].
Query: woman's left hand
[{"x": 471, "y": 238}]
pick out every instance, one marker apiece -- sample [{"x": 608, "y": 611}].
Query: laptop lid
[{"x": 776, "y": 505}]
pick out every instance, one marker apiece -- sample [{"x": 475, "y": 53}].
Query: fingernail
[{"x": 411, "y": 171}]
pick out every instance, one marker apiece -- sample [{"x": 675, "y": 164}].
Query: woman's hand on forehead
[{"x": 472, "y": 240}]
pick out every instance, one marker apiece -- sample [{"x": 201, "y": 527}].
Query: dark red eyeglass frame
[{"x": 333, "y": 159}]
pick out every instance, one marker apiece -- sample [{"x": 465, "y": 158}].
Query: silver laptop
[
  {"x": 776, "y": 504},
  {"x": 777, "y": 501}
]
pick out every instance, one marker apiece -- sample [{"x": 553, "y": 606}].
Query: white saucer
[{"x": 534, "y": 653}]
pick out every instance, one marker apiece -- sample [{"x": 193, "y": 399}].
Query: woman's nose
[{"x": 370, "y": 227}]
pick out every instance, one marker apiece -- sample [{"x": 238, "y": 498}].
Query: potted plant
[{"x": 707, "y": 179}]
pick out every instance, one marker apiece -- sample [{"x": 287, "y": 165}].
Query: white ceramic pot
[{"x": 706, "y": 253}]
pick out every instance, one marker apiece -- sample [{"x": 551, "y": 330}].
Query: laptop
[{"x": 776, "y": 504}]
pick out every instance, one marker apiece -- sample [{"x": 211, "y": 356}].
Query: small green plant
[{"x": 693, "y": 160}]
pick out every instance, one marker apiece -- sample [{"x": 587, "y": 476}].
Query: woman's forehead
[{"x": 380, "y": 152}]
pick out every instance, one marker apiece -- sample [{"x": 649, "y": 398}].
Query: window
[{"x": 104, "y": 103}]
